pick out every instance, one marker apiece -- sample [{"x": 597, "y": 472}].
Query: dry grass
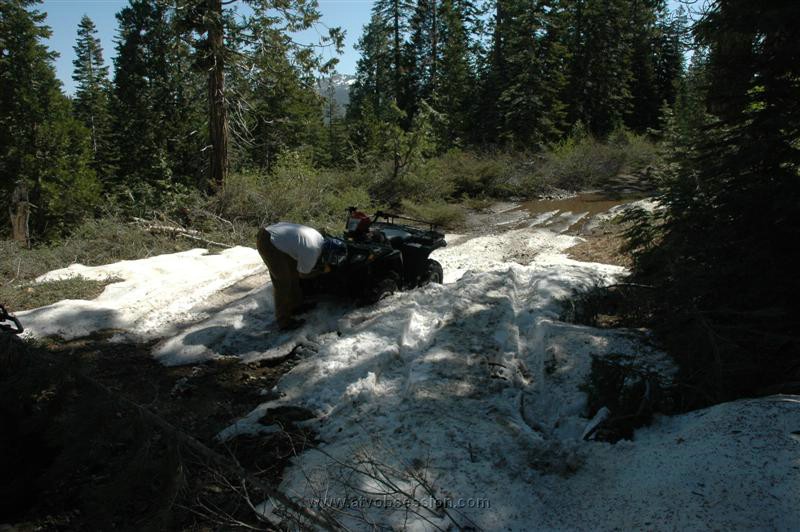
[{"x": 34, "y": 295}]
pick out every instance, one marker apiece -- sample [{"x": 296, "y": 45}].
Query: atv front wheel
[
  {"x": 381, "y": 289},
  {"x": 433, "y": 273}
]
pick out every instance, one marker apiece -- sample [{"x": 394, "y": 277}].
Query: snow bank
[
  {"x": 460, "y": 405},
  {"x": 467, "y": 391},
  {"x": 156, "y": 296},
  {"x": 246, "y": 327},
  {"x": 469, "y": 394}
]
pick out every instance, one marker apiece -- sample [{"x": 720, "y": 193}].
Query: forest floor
[{"x": 476, "y": 391}]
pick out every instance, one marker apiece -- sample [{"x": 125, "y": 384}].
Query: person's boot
[
  {"x": 290, "y": 324},
  {"x": 305, "y": 307}
]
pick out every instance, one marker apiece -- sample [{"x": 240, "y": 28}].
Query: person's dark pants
[{"x": 285, "y": 278}]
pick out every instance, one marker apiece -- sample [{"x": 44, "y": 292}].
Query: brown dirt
[{"x": 604, "y": 246}]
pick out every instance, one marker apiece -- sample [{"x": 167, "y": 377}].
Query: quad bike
[{"x": 382, "y": 257}]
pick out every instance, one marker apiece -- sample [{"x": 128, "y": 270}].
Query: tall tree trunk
[
  {"x": 499, "y": 58},
  {"x": 397, "y": 81},
  {"x": 331, "y": 132},
  {"x": 218, "y": 116},
  {"x": 92, "y": 83},
  {"x": 20, "y": 211},
  {"x": 434, "y": 45}
]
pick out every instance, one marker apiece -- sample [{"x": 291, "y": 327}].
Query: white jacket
[{"x": 302, "y": 243}]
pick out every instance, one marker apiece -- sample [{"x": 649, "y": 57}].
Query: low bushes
[
  {"x": 473, "y": 175},
  {"x": 446, "y": 215},
  {"x": 295, "y": 191},
  {"x": 29, "y": 296},
  {"x": 581, "y": 160},
  {"x": 577, "y": 163}
]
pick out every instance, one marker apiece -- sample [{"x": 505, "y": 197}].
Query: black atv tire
[
  {"x": 433, "y": 273},
  {"x": 382, "y": 289}
]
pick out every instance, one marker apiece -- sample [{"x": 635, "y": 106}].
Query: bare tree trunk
[
  {"x": 397, "y": 79},
  {"x": 434, "y": 45},
  {"x": 218, "y": 116},
  {"x": 20, "y": 212},
  {"x": 499, "y": 59},
  {"x": 92, "y": 110}
]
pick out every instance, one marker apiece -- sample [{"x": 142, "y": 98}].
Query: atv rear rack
[{"x": 390, "y": 217}]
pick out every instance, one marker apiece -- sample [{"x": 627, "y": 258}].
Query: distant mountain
[{"x": 340, "y": 83}]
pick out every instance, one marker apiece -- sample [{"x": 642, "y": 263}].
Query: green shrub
[
  {"x": 295, "y": 191},
  {"x": 300, "y": 193},
  {"x": 244, "y": 196},
  {"x": 427, "y": 183},
  {"x": 446, "y": 215},
  {"x": 640, "y": 152},
  {"x": 147, "y": 199},
  {"x": 473, "y": 175},
  {"x": 480, "y": 203},
  {"x": 581, "y": 160},
  {"x": 576, "y": 163}
]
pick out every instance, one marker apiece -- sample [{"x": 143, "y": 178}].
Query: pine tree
[
  {"x": 493, "y": 78},
  {"x": 276, "y": 109},
  {"x": 43, "y": 149},
  {"x": 656, "y": 63},
  {"x": 523, "y": 79},
  {"x": 669, "y": 54},
  {"x": 455, "y": 91},
  {"x": 599, "y": 93},
  {"x": 91, "y": 101},
  {"x": 530, "y": 111},
  {"x": 212, "y": 28},
  {"x": 645, "y": 102},
  {"x": 394, "y": 14},
  {"x": 723, "y": 261},
  {"x": 334, "y": 150},
  {"x": 424, "y": 49},
  {"x": 691, "y": 109},
  {"x": 371, "y": 93},
  {"x": 157, "y": 105}
]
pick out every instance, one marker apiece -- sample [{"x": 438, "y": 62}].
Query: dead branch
[
  {"x": 191, "y": 234},
  {"x": 218, "y": 217},
  {"x": 388, "y": 480}
]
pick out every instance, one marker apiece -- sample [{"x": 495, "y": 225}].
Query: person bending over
[{"x": 291, "y": 251}]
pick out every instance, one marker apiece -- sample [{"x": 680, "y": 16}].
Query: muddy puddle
[{"x": 576, "y": 214}]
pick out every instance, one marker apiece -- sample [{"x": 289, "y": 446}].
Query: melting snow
[
  {"x": 156, "y": 295},
  {"x": 459, "y": 405}
]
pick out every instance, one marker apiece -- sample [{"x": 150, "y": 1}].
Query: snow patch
[
  {"x": 492, "y": 252},
  {"x": 648, "y": 204},
  {"x": 156, "y": 296}
]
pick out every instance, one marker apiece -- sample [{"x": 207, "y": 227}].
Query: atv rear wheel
[{"x": 433, "y": 273}]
